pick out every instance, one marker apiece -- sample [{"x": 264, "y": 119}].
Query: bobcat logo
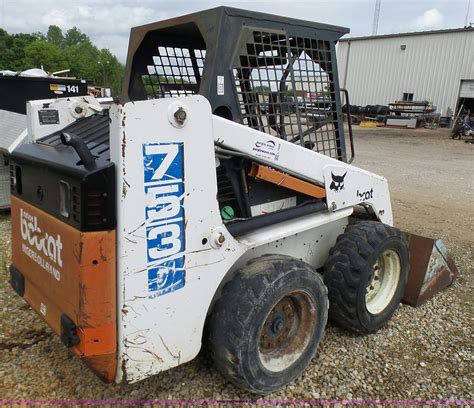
[{"x": 337, "y": 183}]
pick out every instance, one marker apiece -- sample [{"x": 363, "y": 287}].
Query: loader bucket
[{"x": 431, "y": 269}]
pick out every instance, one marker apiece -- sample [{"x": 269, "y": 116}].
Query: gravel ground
[{"x": 423, "y": 353}]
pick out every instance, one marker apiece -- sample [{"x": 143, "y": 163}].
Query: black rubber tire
[
  {"x": 349, "y": 267},
  {"x": 238, "y": 318}
]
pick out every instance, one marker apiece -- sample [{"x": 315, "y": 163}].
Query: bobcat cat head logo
[{"x": 337, "y": 183}]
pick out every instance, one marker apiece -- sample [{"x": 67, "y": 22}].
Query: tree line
[{"x": 57, "y": 51}]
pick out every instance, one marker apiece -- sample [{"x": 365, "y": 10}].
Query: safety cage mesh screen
[
  {"x": 175, "y": 72},
  {"x": 285, "y": 88}
]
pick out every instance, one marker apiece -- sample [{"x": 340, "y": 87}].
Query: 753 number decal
[{"x": 164, "y": 216}]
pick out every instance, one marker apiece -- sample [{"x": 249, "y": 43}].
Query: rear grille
[
  {"x": 16, "y": 182},
  {"x": 12, "y": 177},
  {"x": 95, "y": 208},
  {"x": 76, "y": 205}
]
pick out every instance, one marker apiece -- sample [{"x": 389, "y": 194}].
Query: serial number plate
[{"x": 48, "y": 117}]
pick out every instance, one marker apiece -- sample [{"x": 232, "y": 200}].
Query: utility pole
[
  {"x": 466, "y": 21},
  {"x": 375, "y": 26},
  {"x": 104, "y": 76}
]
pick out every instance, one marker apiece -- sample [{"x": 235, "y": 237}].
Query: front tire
[
  {"x": 366, "y": 275},
  {"x": 266, "y": 326}
]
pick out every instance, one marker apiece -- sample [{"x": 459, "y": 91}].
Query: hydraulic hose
[{"x": 87, "y": 159}]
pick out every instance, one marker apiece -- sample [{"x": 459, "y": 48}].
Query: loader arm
[{"x": 345, "y": 185}]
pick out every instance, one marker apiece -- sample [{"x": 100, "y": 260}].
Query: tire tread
[
  {"x": 346, "y": 265},
  {"x": 228, "y": 321}
]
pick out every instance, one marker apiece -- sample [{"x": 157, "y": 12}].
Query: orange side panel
[
  {"x": 69, "y": 272},
  {"x": 285, "y": 180}
]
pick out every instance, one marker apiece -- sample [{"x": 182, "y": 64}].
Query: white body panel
[
  {"x": 170, "y": 263},
  {"x": 12, "y": 129},
  {"x": 67, "y": 113},
  {"x": 265, "y": 208},
  {"x": 309, "y": 238},
  {"x": 159, "y": 332}
]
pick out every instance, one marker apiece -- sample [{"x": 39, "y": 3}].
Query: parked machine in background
[
  {"x": 16, "y": 88},
  {"x": 203, "y": 200},
  {"x": 464, "y": 126}
]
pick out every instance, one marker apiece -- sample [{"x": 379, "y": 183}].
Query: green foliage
[
  {"x": 263, "y": 89},
  {"x": 42, "y": 53},
  {"x": 4, "y": 41},
  {"x": 74, "y": 36},
  {"x": 58, "y": 51},
  {"x": 55, "y": 36},
  {"x": 12, "y": 57},
  {"x": 325, "y": 91},
  {"x": 152, "y": 83}
]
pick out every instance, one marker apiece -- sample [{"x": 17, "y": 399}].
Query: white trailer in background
[{"x": 12, "y": 134}]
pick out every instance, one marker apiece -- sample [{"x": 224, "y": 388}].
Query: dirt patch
[{"x": 431, "y": 179}]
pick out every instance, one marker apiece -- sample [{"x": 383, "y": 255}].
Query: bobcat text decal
[
  {"x": 164, "y": 216},
  {"x": 44, "y": 249},
  {"x": 365, "y": 195}
]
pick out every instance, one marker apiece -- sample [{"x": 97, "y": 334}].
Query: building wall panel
[{"x": 377, "y": 70}]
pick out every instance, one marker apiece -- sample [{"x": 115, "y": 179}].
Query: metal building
[{"x": 435, "y": 66}]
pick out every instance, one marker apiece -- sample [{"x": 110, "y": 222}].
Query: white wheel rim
[{"x": 383, "y": 282}]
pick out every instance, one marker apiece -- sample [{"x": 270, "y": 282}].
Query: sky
[{"x": 108, "y": 22}]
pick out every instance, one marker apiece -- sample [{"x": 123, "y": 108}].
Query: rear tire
[
  {"x": 366, "y": 275},
  {"x": 266, "y": 326}
]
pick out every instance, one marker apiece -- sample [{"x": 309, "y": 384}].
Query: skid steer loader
[{"x": 217, "y": 193}]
